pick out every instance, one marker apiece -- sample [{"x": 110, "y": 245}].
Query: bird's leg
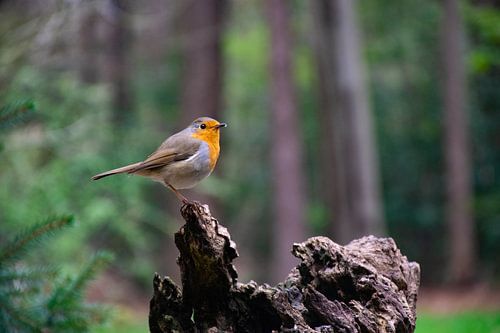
[{"x": 178, "y": 194}]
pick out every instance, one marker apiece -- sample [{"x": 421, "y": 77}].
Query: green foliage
[
  {"x": 404, "y": 80},
  {"x": 125, "y": 320},
  {"x": 65, "y": 307},
  {"x": 484, "y": 23},
  {"x": 18, "y": 246},
  {"x": 35, "y": 299},
  {"x": 246, "y": 45},
  {"x": 13, "y": 113},
  {"x": 48, "y": 164},
  {"x": 467, "y": 322}
]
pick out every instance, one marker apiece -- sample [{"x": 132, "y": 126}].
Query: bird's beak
[{"x": 221, "y": 125}]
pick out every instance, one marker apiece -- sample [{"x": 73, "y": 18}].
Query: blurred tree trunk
[
  {"x": 456, "y": 149},
  {"x": 347, "y": 126},
  {"x": 87, "y": 43},
  {"x": 358, "y": 144},
  {"x": 116, "y": 60},
  {"x": 333, "y": 181},
  {"x": 202, "y": 23},
  {"x": 157, "y": 37},
  {"x": 286, "y": 150}
]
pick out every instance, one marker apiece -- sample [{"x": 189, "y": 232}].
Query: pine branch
[
  {"x": 73, "y": 289},
  {"x": 30, "y": 237},
  {"x": 21, "y": 291},
  {"x": 16, "y": 112},
  {"x": 26, "y": 273},
  {"x": 14, "y": 317},
  {"x": 97, "y": 263},
  {"x": 63, "y": 306}
]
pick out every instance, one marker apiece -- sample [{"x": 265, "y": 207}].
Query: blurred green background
[{"x": 388, "y": 113}]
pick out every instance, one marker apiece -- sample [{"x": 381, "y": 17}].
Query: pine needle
[
  {"x": 72, "y": 290},
  {"x": 16, "y": 247},
  {"x": 16, "y": 112}
]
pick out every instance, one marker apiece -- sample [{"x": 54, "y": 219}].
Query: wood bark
[
  {"x": 459, "y": 218},
  {"x": 366, "y": 286},
  {"x": 286, "y": 149}
]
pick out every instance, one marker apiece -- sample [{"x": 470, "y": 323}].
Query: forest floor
[
  {"x": 469, "y": 310},
  {"x": 447, "y": 301}
]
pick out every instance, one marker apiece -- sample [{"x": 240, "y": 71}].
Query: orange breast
[{"x": 211, "y": 137}]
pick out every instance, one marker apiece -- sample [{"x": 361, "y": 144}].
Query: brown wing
[
  {"x": 159, "y": 159},
  {"x": 170, "y": 151}
]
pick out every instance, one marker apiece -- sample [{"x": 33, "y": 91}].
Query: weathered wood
[{"x": 366, "y": 286}]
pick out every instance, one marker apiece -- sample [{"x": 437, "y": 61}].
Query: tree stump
[{"x": 365, "y": 286}]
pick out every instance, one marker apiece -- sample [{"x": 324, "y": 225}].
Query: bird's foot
[{"x": 178, "y": 194}]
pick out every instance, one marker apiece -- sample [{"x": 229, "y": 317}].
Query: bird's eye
[{"x": 203, "y": 126}]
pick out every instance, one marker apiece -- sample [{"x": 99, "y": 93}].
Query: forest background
[{"x": 345, "y": 118}]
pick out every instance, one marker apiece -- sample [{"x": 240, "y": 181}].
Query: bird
[{"x": 182, "y": 160}]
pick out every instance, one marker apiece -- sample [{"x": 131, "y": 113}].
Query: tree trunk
[
  {"x": 357, "y": 146},
  {"x": 366, "y": 286},
  {"x": 201, "y": 27},
  {"x": 116, "y": 61},
  {"x": 87, "y": 43},
  {"x": 202, "y": 23},
  {"x": 333, "y": 182},
  {"x": 286, "y": 150},
  {"x": 456, "y": 149}
]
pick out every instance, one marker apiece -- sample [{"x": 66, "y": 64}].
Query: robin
[{"x": 182, "y": 160}]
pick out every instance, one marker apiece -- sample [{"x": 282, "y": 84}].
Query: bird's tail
[{"x": 125, "y": 169}]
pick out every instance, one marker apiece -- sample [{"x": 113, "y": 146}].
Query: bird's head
[{"x": 206, "y": 129}]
